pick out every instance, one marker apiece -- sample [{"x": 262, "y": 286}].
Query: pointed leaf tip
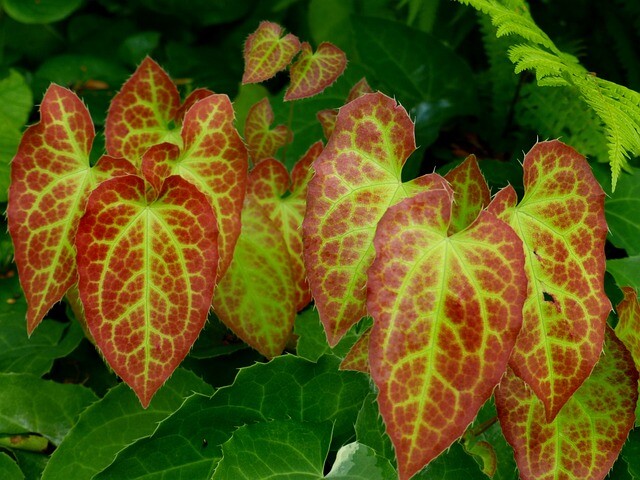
[
  {"x": 313, "y": 72},
  {"x": 262, "y": 140}
]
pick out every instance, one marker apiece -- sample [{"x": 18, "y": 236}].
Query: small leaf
[
  {"x": 193, "y": 98},
  {"x": 16, "y": 101},
  {"x": 357, "y": 177},
  {"x": 327, "y": 119},
  {"x": 356, "y": 461},
  {"x": 626, "y": 271},
  {"x": 358, "y": 357},
  {"x": 471, "y": 193},
  {"x": 360, "y": 88},
  {"x": 313, "y": 72},
  {"x": 112, "y": 423},
  {"x": 266, "y": 52},
  {"x": 146, "y": 276},
  {"x": 42, "y": 11},
  {"x": 628, "y": 329},
  {"x": 140, "y": 114},
  {"x": 25, "y": 402},
  {"x": 561, "y": 223},
  {"x": 586, "y": 436},
  {"x": 262, "y": 140},
  {"x": 446, "y": 310}
]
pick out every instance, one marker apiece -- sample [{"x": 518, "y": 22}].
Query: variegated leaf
[
  {"x": 262, "y": 140},
  {"x": 471, "y": 193},
  {"x": 628, "y": 329},
  {"x": 313, "y": 71},
  {"x": 267, "y": 51}
]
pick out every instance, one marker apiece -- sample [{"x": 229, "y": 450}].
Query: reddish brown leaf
[
  {"x": 358, "y": 357},
  {"x": 471, "y": 193},
  {"x": 266, "y": 52},
  {"x": 263, "y": 141},
  {"x": 327, "y": 119},
  {"x": 313, "y": 72},
  {"x": 628, "y": 329},
  {"x": 360, "y": 88},
  {"x": 195, "y": 96}
]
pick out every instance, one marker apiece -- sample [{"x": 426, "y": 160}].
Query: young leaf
[
  {"x": 313, "y": 72},
  {"x": 50, "y": 182},
  {"x": 585, "y": 437},
  {"x": 628, "y": 329},
  {"x": 266, "y": 52},
  {"x": 262, "y": 140},
  {"x": 471, "y": 193},
  {"x": 193, "y": 98},
  {"x": 446, "y": 310},
  {"x": 357, "y": 177},
  {"x": 561, "y": 223},
  {"x": 140, "y": 114},
  {"x": 256, "y": 298},
  {"x": 146, "y": 275}
]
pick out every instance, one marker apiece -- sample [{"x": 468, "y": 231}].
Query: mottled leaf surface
[
  {"x": 628, "y": 328},
  {"x": 327, "y": 117},
  {"x": 313, "y": 71},
  {"x": 561, "y": 223},
  {"x": 267, "y": 51},
  {"x": 114, "y": 422},
  {"x": 446, "y": 310},
  {"x": 471, "y": 193},
  {"x": 585, "y": 437},
  {"x": 141, "y": 112},
  {"x": 146, "y": 275},
  {"x": 358, "y": 357},
  {"x": 357, "y": 177},
  {"x": 262, "y": 140}
]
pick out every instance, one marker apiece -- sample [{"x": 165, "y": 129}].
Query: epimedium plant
[{"x": 468, "y": 294}]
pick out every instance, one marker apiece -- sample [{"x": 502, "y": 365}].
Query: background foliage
[{"x": 441, "y": 60}]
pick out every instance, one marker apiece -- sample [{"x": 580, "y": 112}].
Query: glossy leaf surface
[
  {"x": 446, "y": 310},
  {"x": 313, "y": 71},
  {"x": 561, "y": 223},
  {"x": 146, "y": 275},
  {"x": 264, "y": 141},
  {"x": 586, "y": 436},
  {"x": 267, "y": 51},
  {"x": 357, "y": 177},
  {"x": 628, "y": 329}
]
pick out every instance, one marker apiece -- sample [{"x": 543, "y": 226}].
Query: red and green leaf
[
  {"x": 471, "y": 193},
  {"x": 263, "y": 141},
  {"x": 312, "y": 72},
  {"x": 447, "y": 311},
  {"x": 194, "y": 97},
  {"x": 255, "y": 297},
  {"x": 357, "y": 177},
  {"x": 561, "y": 223},
  {"x": 214, "y": 159},
  {"x": 146, "y": 275},
  {"x": 50, "y": 183},
  {"x": 142, "y": 112},
  {"x": 628, "y": 329},
  {"x": 327, "y": 118},
  {"x": 586, "y": 436},
  {"x": 358, "y": 357},
  {"x": 267, "y": 51},
  {"x": 360, "y": 88}
]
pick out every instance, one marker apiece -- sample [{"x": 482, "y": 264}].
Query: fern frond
[{"x": 616, "y": 106}]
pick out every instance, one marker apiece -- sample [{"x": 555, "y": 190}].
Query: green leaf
[
  {"x": 135, "y": 47},
  {"x": 9, "y": 141},
  {"x": 32, "y": 464},
  {"x": 188, "y": 442},
  {"x": 621, "y": 209},
  {"x": 356, "y": 461},
  {"x": 16, "y": 101},
  {"x": 371, "y": 430},
  {"x": 114, "y": 422},
  {"x": 282, "y": 449},
  {"x": 40, "y": 11},
  {"x": 626, "y": 271},
  {"x": 631, "y": 453},
  {"x": 9, "y": 469},
  {"x": 26, "y": 405},
  {"x": 454, "y": 464}
]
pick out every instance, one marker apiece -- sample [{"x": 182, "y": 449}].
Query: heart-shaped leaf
[
  {"x": 562, "y": 226},
  {"x": 312, "y": 72},
  {"x": 357, "y": 177},
  {"x": 266, "y": 52},
  {"x": 446, "y": 311},
  {"x": 586, "y": 436},
  {"x": 146, "y": 275},
  {"x": 50, "y": 183},
  {"x": 471, "y": 193},
  {"x": 628, "y": 328},
  {"x": 262, "y": 140}
]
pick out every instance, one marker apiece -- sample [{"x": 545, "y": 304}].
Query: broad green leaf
[
  {"x": 371, "y": 431},
  {"x": 256, "y": 297},
  {"x": 585, "y": 437},
  {"x": 27, "y": 407},
  {"x": 32, "y": 464},
  {"x": 41, "y": 11},
  {"x": 628, "y": 329},
  {"x": 214, "y": 158},
  {"x": 141, "y": 113},
  {"x": 561, "y": 223},
  {"x": 282, "y": 449},
  {"x": 446, "y": 312},
  {"x": 631, "y": 453},
  {"x": 9, "y": 469},
  {"x": 146, "y": 275},
  {"x": 50, "y": 182},
  {"x": 357, "y": 177},
  {"x": 313, "y": 71},
  {"x": 471, "y": 193},
  {"x": 626, "y": 271},
  {"x": 621, "y": 209},
  {"x": 262, "y": 140},
  {"x": 114, "y": 422},
  {"x": 267, "y": 51},
  {"x": 188, "y": 442},
  {"x": 356, "y": 461},
  {"x": 454, "y": 464},
  {"x": 16, "y": 101}
]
